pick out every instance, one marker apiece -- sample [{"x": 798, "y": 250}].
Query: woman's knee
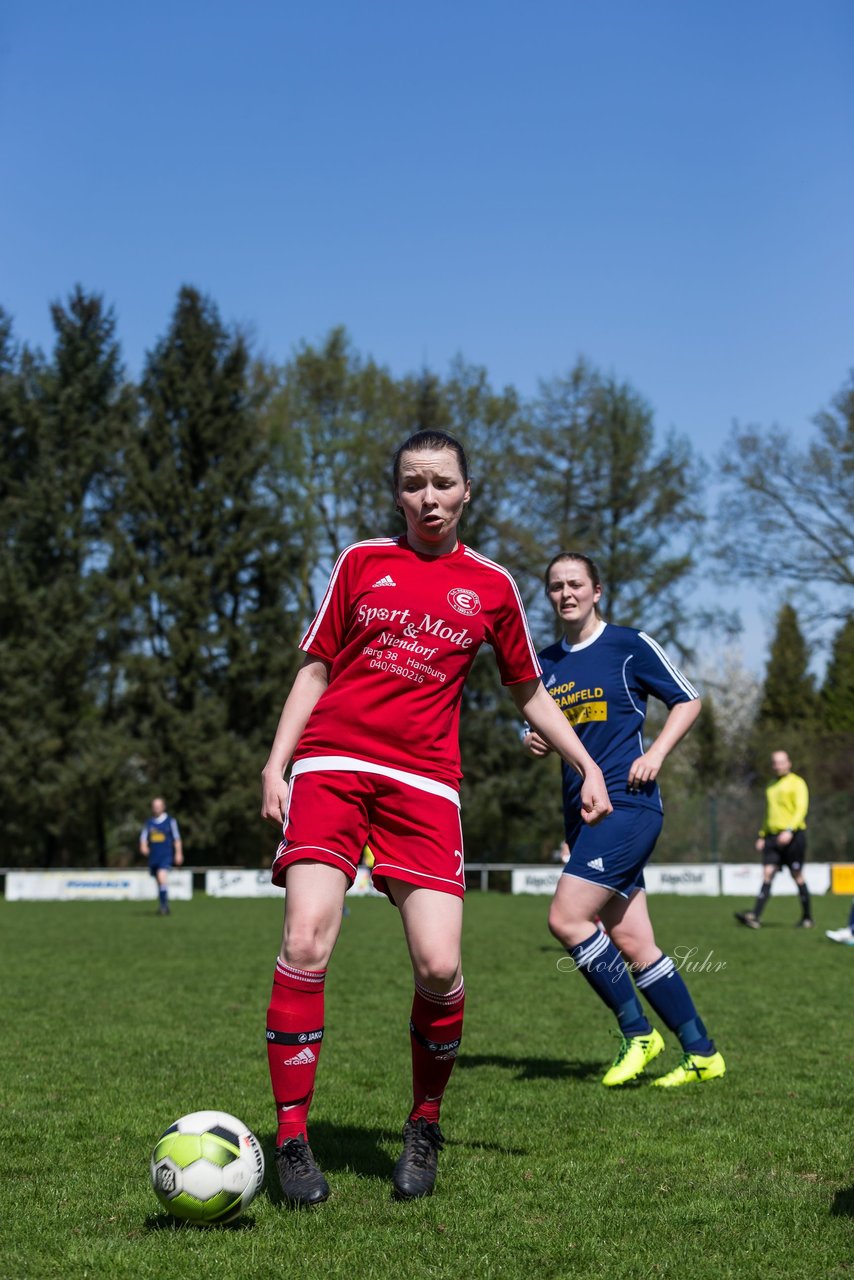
[
  {"x": 438, "y": 971},
  {"x": 559, "y": 919},
  {"x": 308, "y": 941},
  {"x": 570, "y": 924}
]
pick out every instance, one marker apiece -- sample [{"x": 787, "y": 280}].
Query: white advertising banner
[
  {"x": 678, "y": 878},
  {"x": 93, "y": 886},
  {"x": 742, "y": 879},
  {"x": 535, "y": 880},
  {"x": 257, "y": 884},
  {"x": 241, "y": 884}
]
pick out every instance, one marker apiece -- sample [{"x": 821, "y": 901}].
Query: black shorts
[{"x": 791, "y": 855}]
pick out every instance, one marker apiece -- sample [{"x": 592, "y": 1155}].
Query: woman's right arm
[{"x": 311, "y": 681}]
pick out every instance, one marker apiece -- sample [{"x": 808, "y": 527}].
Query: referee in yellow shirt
[{"x": 783, "y": 839}]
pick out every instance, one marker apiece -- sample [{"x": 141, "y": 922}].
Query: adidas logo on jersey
[
  {"x": 597, "y": 864},
  {"x": 303, "y": 1059},
  {"x": 387, "y": 581},
  {"x": 551, "y": 680}
]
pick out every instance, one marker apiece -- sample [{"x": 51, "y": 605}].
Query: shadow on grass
[
  {"x": 532, "y": 1068},
  {"x": 843, "y": 1203},
  {"x": 165, "y": 1222},
  {"x": 358, "y": 1150},
  {"x": 337, "y": 1147}
]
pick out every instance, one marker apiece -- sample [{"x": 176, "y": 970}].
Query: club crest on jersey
[{"x": 464, "y": 601}]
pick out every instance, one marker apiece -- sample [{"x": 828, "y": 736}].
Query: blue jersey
[
  {"x": 602, "y": 685},
  {"x": 160, "y": 834}
]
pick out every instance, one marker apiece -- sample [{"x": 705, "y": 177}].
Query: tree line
[{"x": 165, "y": 539}]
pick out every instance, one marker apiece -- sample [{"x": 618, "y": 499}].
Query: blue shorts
[
  {"x": 154, "y": 867},
  {"x": 614, "y": 853}
]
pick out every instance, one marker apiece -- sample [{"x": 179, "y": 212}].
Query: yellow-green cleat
[
  {"x": 695, "y": 1068},
  {"x": 633, "y": 1057}
]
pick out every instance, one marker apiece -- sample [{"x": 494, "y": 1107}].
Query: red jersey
[{"x": 401, "y": 631}]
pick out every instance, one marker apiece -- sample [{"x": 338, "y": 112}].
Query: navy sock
[
  {"x": 663, "y": 987},
  {"x": 605, "y": 969},
  {"x": 164, "y": 896},
  {"x": 851, "y": 918}
]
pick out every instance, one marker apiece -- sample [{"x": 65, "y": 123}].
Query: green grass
[{"x": 115, "y": 1022}]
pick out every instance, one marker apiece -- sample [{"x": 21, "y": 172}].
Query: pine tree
[
  {"x": 710, "y": 762},
  {"x": 63, "y": 420},
  {"x": 788, "y": 699},
  {"x": 207, "y": 546},
  {"x": 836, "y": 700},
  {"x": 786, "y": 712}
]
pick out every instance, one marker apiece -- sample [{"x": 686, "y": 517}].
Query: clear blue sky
[{"x": 667, "y": 188}]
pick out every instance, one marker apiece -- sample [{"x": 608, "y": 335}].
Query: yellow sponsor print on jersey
[
  {"x": 580, "y": 706},
  {"x": 157, "y": 837},
  {"x": 587, "y": 711}
]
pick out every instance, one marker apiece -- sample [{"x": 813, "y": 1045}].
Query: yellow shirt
[{"x": 786, "y": 802}]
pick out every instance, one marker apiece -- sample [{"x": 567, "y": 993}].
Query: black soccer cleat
[
  {"x": 415, "y": 1172},
  {"x": 806, "y": 923},
  {"x": 748, "y": 918},
  {"x": 302, "y": 1182}
]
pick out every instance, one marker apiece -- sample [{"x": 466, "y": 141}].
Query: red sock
[
  {"x": 294, "y": 1035},
  {"x": 436, "y": 1029}
]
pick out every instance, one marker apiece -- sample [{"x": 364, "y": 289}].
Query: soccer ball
[{"x": 207, "y": 1167}]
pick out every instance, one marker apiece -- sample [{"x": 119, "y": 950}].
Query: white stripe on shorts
[{"x": 350, "y": 764}]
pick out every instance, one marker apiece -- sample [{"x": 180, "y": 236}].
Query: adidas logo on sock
[
  {"x": 387, "y": 581},
  {"x": 303, "y": 1059},
  {"x": 597, "y": 864}
]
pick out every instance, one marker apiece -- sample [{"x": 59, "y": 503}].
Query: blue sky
[{"x": 666, "y": 188}]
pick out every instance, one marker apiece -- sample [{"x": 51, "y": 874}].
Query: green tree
[
  {"x": 710, "y": 760},
  {"x": 786, "y": 712},
  {"x": 833, "y": 751},
  {"x": 599, "y": 483},
  {"x": 206, "y": 544},
  {"x": 63, "y": 423},
  {"x": 333, "y": 420},
  {"x": 836, "y": 700}
]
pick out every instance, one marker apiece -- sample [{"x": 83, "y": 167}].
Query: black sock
[
  {"x": 764, "y": 895},
  {"x": 805, "y": 901}
]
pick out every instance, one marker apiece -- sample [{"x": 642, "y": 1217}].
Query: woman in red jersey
[{"x": 370, "y": 732}]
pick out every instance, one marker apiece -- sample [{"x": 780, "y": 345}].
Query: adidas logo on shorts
[
  {"x": 597, "y": 864},
  {"x": 303, "y": 1059},
  {"x": 387, "y": 581}
]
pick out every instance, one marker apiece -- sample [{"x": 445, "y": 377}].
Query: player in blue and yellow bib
[{"x": 601, "y": 676}]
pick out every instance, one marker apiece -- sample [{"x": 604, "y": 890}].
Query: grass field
[{"x": 116, "y": 1022}]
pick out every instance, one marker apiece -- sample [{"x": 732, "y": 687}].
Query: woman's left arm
[{"x": 647, "y": 767}]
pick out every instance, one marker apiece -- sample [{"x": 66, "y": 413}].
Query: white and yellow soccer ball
[{"x": 207, "y": 1167}]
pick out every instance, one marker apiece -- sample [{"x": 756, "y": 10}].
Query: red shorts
[{"x": 414, "y": 833}]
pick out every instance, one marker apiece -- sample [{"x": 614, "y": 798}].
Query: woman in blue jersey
[{"x": 601, "y": 676}]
